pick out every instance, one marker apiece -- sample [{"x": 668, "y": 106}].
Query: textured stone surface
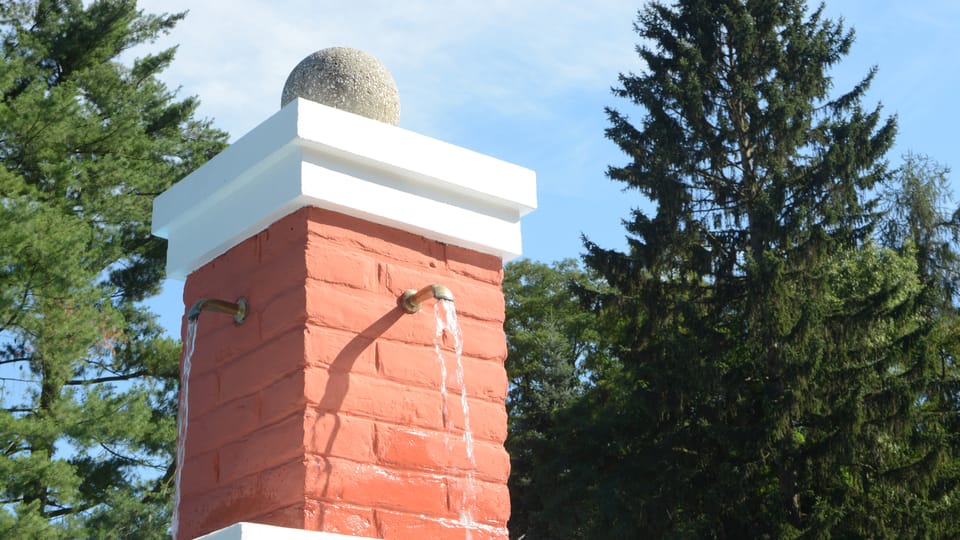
[{"x": 346, "y": 79}]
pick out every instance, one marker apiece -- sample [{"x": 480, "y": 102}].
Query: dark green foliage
[
  {"x": 919, "y": 215},
  {"x": 777, "y": 371},
  {"x": 89, "y": 381},
  {"x": 553, "y": 345},
  {"x": 924, "y": 221}
]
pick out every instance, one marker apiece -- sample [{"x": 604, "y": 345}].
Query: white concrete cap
[
  {"x": 256, "y": 531},
  {"x": 308, "y": 154}
]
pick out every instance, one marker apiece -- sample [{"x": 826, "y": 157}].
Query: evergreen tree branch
[{"x": 112, "y": 378}]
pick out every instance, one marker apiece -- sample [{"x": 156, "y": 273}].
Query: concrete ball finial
[{"x": 347, "y": 79}]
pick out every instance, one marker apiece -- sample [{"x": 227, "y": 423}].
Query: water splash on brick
[
  {"x": 189, "y": 343},
  {"x": 447, "y": 321}
]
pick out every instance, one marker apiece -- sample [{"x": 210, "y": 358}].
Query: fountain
[
  {"x": 319, "y": 410},
  {"x": 238, "y": 310}
]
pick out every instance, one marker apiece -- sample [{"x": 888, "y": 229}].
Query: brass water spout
[
  {"x": 238, "y": 309},
  {"x": 411, "y": 299}
]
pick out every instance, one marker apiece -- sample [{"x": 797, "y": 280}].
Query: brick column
[{"x": 322, "y": 411}]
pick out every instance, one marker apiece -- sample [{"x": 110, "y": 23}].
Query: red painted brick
[
  {"x": 232, "y": 341},
  {"x": 335, "y": 518},
  {"x": 445, "y": 453},
  {"x": 342, "y": 308},
  {"x": 369, "y": 397},
  {"x": 339, "y": 350},
  {"x": 479, "y": 301},
  {"x": 401, "y": 526},
  {"x": 474, "y": 299},
  {"x": 483, "y": 340},
  {"x": 385, "y": 241},
  {"x": 209, "y": 282},
  {"x": 493, "y": 462},
  {"x": 229, "y": 422},
  {"x": 484, "y": 379},
  {"x": 348, "y": 384},
  {"x": 476, "y": 265},
  {"x": 441, "y": 452},
  {"x": 203, "y": 391},
  {"x": 326, "y": 390},
  {"x": 422, "y": 450},
  {"x": 488, "y": 503},
  {"x": 201, "y": 473},
  {"x": 284, "y": 485},
  {"x": 283, "y": 313},
  {"x": 342, "y": 519},
  {"x": 339, "y": 435},
  {"x": 266, "y": 448},
  {"x": 414, "y": 328},
  {"x": 216, "y": 344},
  {"x": 399, "y": 277},
  {"x": 281, "y": 266},
  {"x": 409, "y": 364},
  {"x": 488, "y": 421},
  {"x": 204, "y": 513},
  {"x": 292, "y": 516},
  {"x": 246, "y": 374},
  {"x": 236, "y": 260},
  {"x": 289, "y": 233},
  {"x": 271, "y": 277},
  {"x": 372, "y": 486},
  {"x": 340, "y": 267},
  {"x": 198, "y": 281},
  {"x": 282, "y": 398}
]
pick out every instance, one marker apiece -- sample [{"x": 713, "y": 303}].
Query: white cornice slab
[
  {"x": 308, "y": 154},
  {"x": 256, "y": 531}
]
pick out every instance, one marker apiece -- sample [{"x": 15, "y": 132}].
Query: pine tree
[
  {"x": 88, "y": 379},
  {"x": 769, "y": 374}
]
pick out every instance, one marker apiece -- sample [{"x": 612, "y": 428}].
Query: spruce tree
[
  {"x": 771, "y": 381},
  {"x": 87, "y": 410},
  {"x": 922, "y": 219}
]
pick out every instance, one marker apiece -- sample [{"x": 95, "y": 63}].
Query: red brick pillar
[{"x": 322, "y": 410}]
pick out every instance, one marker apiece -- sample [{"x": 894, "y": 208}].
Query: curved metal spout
[
  {"x": 237, "y": 309},
  {"x": 411, "y": 299}
]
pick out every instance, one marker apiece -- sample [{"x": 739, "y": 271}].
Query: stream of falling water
[
  {"x": 448, "y": 321},
  {"x": 188, "y": 345}
]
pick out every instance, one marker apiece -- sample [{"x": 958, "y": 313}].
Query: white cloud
[{"x": 506, "y": 55}]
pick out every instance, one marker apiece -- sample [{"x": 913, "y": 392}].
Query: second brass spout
[
  {"x": 412, "y": 299},
  {"x": 238, "y": 309}
]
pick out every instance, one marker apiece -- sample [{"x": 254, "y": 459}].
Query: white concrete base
[{"x": 256, "y": 531}]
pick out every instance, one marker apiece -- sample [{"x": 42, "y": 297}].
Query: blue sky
[{"x": 526, "y": 81}]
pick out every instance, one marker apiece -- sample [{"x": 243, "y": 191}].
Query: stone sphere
[{"x": 347, "y": 79}]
